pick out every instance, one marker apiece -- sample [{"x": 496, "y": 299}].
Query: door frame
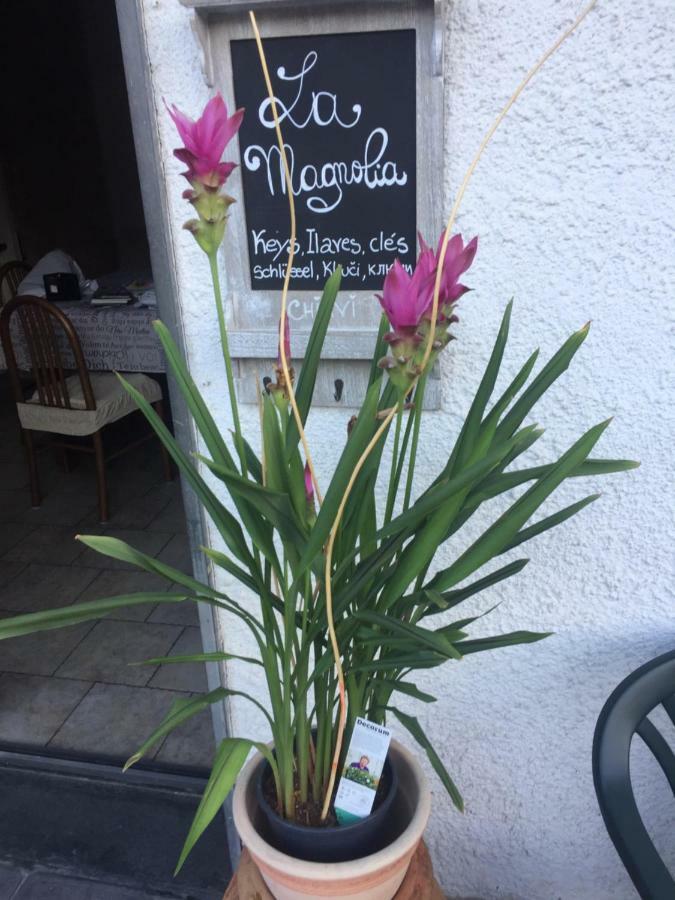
[{"x": 155, "y": 206}]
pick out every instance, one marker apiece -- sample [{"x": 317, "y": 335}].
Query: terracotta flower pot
[{"x": 374, "y": 877}]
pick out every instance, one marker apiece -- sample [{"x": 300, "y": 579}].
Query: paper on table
[{"x": 148, "y": 298}]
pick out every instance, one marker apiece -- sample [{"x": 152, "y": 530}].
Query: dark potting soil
[{"x": 309, "y": 812}]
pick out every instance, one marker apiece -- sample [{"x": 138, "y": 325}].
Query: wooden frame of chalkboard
[{"x": 359, "y": 87}]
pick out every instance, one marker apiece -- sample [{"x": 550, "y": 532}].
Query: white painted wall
[{"x": 574, "y": 204}]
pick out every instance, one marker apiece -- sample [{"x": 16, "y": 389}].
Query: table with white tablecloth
[{"x": 113, "y": 338}]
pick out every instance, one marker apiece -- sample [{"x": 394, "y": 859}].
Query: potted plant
[{"x": 348, "y": 605}]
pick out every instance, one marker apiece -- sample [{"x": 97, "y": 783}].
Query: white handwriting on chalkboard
[
  {"x": 314, "y": 115},
  {"x": 371, "y": 171},
  {"x": 323, "y": 183}
]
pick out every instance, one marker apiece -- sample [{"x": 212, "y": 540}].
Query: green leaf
[
  {"x": 501, "y": 482},
  {"x": 363, "y": 431},
  {"x": 120, "y": 550},
  {"x": 181, "y": 710},
  {"x": 514, "y": 387},
  {"x": 224, "y": 562},
  {"x": 502, "y": 640},
  {"x": 415, "y": 729},
  {"x": 47, "y": 619},
  {"x": 215, "y": 656},
  {"x": 265, "y": 510},
  {"x": 380, "y": 350},
  {"x": 274, "y": 506},
  {"x": 604, "y": 467},
  {"x": 469, "y": 433},
  {"x": 471, "y": 427},
  {"x": 446, "y": 488},
  {"x": 557, "y": 518},
  {"x": 505, "y": 529},
  {"x": 453, "y": 598},
  {"x": 421, "y": 637},
  {"x": 553, "y": 369},
  {"x": 428, "y": 660},
  {"x": 406, "y": 687},
  {"x": 253, "y": 464},
  {"x": 195, "y": 403},
  {"x": 227, "y": 525},
  {"x": 306, "y": 380},
  {"x": 229, "y": 760}
]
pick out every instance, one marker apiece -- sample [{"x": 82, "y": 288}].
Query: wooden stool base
[{"x": 418, "y": 884}]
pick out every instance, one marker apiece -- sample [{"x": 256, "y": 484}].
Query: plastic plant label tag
[{"x": 361, "y": 775}]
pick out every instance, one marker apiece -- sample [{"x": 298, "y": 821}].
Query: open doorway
[{"x": 71, "y": 182}]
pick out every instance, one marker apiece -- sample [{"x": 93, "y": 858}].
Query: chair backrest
[
  {"x": 11, "y": 276},
  {"x": 624, "y": 714},
  {"x": 42, "y": 324}
]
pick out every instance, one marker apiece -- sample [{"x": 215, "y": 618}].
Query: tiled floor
[{"x": 74, "y": 690}]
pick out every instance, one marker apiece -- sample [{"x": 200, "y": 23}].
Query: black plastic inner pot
[{"x": 331, "y": 843}]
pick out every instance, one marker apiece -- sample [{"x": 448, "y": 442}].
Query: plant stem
[
  {"x": 224, "y": 343},
  {"x": 419, "y": 402},
  {"x": 393, "y": 481}
]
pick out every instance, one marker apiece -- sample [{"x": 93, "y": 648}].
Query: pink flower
[
  {"x": 405, "y": 297},
  {"x": 205, "y": 141},
  {"x": 458, "y": 259},
  {"x": 309, "y": 487},
  {"x": 408, "y": 300}
]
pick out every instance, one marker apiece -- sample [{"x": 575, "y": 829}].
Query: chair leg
[
  {"x": 166, "y": 459},
  {"x": 101, "y": 483},
  {"x": 27, "y": 439},
  {"x": 66, "y": 463}
]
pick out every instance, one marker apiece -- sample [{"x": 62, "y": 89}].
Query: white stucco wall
[{"x": 574, "y": 204}]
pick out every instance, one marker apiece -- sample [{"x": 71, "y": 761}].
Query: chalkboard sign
[{"x": 348, "y": 116}]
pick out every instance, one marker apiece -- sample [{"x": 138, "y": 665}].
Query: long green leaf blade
[
  {"x": 45, "y": 620},
  {"x": 453, "y": 598},
  {"x": 120, "y": 550},
  {"x": 414, "y": 633},
  {"x": 504, "y": 530},
  {"x": 230, "y": 758},
  {"x": 363, "y": 431},
  {"x": 225, "y": 522},
  {"x": 310, "y": 364},
  {"x": 496, "y": 642},
  {"x": 215, "y": 656},
  {"x": 415, "y": 729},
  {"x": 553, "y": 369},
  {"x": 200, "y": 411},
  {"x": 408, "y": 688},
  {"x": 526, "y": 534},
  {"x": 181, "y": 710}
]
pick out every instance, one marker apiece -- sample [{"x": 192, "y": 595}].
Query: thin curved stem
[
  {"x": 224, "y": 343},
  {"x": 474, "y": 162},
  {"x": 291, "y": 255},
  {"x": 393, "y": 482},
  {"x": 419, "y": 402}
]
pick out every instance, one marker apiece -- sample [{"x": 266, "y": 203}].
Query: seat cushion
[{"x": 112, "y": 403}]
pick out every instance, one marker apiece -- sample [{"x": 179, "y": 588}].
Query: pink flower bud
[
  {"x": 287, "y": 343},
  {"x": 309, "y": 487},
  {"x": 205, "y": 140}
]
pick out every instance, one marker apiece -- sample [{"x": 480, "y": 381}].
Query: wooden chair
[
  {"x": 69, "y": 405},
  {"x": 627, "y": 713},
  {"x": 11, "y": 276}
]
